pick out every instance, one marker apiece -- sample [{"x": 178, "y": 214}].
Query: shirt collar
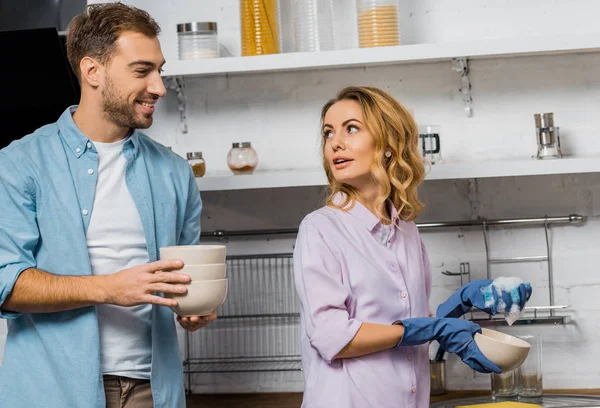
[
  {"x": 78, "y": 142},
  {"x": 360, "y": 212}
]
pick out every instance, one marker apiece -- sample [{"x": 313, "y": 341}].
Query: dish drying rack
[
  {"x": 545, "y": 222},
  {"x": 258, "y": 328}
]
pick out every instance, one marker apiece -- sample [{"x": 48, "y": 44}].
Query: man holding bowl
[{"x": 86, "y": 203}]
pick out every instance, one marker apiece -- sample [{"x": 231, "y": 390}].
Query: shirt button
[
  {"x": 409, "y": 357},
  {"x": 90, "y": 171},
  {"x": 392, "y": 266},
  {"x": 77, "y": 150},
  {"x": 413, "y": 389},
  {"x": 403, "y": 294},
  {"x": 85, "y": 212},
  {"x": 89, "y": 145}
]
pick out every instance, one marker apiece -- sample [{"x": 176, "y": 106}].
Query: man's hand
[
  {"x": 194, "y": 323},
  {"x": 137, "y": 285}
]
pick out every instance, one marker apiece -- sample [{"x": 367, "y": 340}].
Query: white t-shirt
[{"x": 116, "y": 241}]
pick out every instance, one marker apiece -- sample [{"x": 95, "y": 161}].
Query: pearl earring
[{"x": 388, "y": 154}]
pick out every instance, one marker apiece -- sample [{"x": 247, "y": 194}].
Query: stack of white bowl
[{"x": 206, "y": 266}]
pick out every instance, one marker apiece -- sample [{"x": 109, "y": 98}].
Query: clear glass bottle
[
  {"x": 260, "y": 27},
  {"x": 197, "y": 162},
  {"x": 377, "y": 23},
  {"x": 242, "y": 158},
  {"x": 197, "y": 40}
]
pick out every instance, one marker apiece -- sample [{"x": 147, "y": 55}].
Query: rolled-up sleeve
[
  {"x": 19, "y": 233},
  {"x": 190, "y": 233},
  {"x": 323, "y": 296}
]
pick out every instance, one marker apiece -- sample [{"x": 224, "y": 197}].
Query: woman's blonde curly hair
[{"x": 393, "y": 129}]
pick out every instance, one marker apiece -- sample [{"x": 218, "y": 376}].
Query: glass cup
[
  {"x": 530, "y": 372},
  {"x": 505, "y": 385},
  {"x": 430, "y": 143}
]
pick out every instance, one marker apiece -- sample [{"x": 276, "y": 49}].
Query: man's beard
[{"x": 119, "y": 111}]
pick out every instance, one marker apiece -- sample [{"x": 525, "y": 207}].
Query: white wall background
[{"x": 278, "y": 113}]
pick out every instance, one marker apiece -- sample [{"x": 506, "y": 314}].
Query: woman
[{"x": 361, "y": 270}]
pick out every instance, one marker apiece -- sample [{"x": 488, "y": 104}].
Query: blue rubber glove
[
  {"x": 454, "y": 335},
  {"x": 474, "y": 294}
]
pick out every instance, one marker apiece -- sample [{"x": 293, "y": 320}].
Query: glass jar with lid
[
  {"x": 197, "y": 162},
  {"x": 242, "y": 158},
  {"x": 259, "y": 27},
  {"x": 377, "y": 23},
  {"x": 197, "y": 40}
]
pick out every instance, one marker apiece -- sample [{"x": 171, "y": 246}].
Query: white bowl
[
  {"x": 506, "y": 351},
  {"x": 195, "y": 254},
  {"x": 205, "y": 272},
  {"x": 202, "y": 298}
]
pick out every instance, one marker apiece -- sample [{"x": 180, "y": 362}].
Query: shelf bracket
[
  {"x": 462, "y": 65},
  {"x": 178, "y": 84}
]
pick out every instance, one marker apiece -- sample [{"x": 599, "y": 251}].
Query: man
[{"x": 86, "y": 203}]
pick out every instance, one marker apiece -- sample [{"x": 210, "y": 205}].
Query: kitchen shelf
[
  {"x": 403, "y": 54},
  {"x": 535, "y": 319},
  {"x": 439, "y": 171},
  {"x": 554, "y": 320},
  {"x": 263, "y": 179}
]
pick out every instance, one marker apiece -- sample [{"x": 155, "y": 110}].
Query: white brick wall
[{"x": 279, "y": 113}]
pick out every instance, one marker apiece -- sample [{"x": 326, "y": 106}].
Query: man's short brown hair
[{"x": 94, "y": 32}]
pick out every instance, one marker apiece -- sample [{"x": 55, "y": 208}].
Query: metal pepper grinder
[{"x": 548, "y": 138}]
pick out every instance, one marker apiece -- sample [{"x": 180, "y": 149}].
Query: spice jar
[
  {"x": 260, "y": 30},
  {"x": 197, "y": 162},
  {"x": 197, "y": 40},
  {"x": 242, "y": 158}
]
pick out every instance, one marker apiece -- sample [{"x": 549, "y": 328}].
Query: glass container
[
  {"x": 259, "y": 26},
  {"x": 377, "y": 23},
  {"x": 197, "y": 40},
  {"x": 197, "y": 162},
  {"x": 505, "y": 385},
  {"x": 313, "y": 25},
  {"x": 242, "y": 158},
  {"x": 530, "y": 372},
  {"x": 429, "y": 136}
]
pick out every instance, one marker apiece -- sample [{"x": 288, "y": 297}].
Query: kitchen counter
[
  {"x": 450, "y": 395},
  {"x": 290, "y": 400},
  {"x": 550, "y": 399}
]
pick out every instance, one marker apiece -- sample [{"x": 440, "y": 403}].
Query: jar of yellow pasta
[
  {"x": 260, "y": 30},
  {"x": 377, "y": 23}
]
